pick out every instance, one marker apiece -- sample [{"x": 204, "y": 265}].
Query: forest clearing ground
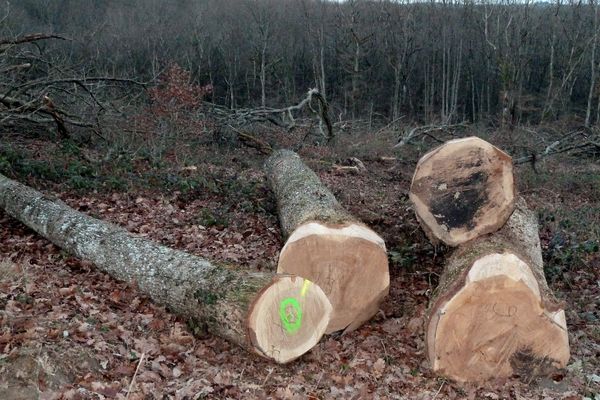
[{"x": 68, "y": 331}]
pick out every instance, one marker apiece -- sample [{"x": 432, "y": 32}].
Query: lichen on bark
[
  {"x": 219, "y": 297},
  {"x": 519, "y": 236},
  {"x": 301, "y": 196}
]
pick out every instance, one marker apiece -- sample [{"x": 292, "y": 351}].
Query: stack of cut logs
[
  {"x": 492, "y": 314},
  {"x": 326, "y": 245}
]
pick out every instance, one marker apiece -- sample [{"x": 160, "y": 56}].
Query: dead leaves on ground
[{"x": 70, "y": 332}]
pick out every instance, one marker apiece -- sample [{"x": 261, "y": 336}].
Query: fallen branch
[
  {"x": 15, "y": 67},
  {"x": 253, "y": 142},
  {"x": 563, "y": 145},
  {"x": 277, "y": 116},
  {"x": 352, "y": 164},
  {"x": 46, "y": 107},
  {"x": 137, "y": 369},
  {"x": 426, "y": 131},
  {"x": 341, "y": 169},
  {"x": 33, "y": 37},
  {"x": 23, "y": 97},
  {"x": 388, "y": 125},
  {"x": 79, "y": 81}
]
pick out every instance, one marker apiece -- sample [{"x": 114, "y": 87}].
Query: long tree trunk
[
  {"x": 456, "y": 84},
  {"x": 550, "y": 76},
  {"x": 462, "y": 190},
  {"x": 493, "y": 315},
  {"x": 322, "y": 61},
  {"x": 395, "y": 110},
  {"x": 355, "y": 77},
  {"x": 263, "y": 71},
  {"x": 588, "y": 113},
  {"x": 277, "y": 316},
  {"x": 326, "y": 244}
]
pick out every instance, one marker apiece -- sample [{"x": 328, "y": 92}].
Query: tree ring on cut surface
[
  {"x": 349, "y": 263},
  {"x": 497, "y": 315},
  {"x": 462, "y": 190},
  {"x": 286, "y": 320}
]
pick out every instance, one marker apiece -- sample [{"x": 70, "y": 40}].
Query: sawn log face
[
  {"x": 492, "y": 314},
  {"x": 326, "y": 244}
]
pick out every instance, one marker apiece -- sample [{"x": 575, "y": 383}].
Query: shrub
[{"x": 172, "y": 123}]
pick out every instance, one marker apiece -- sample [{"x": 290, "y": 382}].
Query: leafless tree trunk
[{"x": 593, "y": 66}]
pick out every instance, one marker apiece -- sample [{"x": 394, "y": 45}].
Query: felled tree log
[
  {"x": 277, "y": 316},
  {"x": 493, "y": 314},
  {"x": 326, "y": 244},
  {"x": 462, "y": 190}
]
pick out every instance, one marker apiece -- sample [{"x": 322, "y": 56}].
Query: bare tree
[
  {"x": 593, "y": 63},
  {"x": 432, "y": 62}
]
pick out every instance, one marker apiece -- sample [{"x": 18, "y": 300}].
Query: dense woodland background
[
  {"x": 379, "y": 60},
  {"x": 156, "y": 115}
]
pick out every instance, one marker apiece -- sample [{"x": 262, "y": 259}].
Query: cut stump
[
  {"x": 493, "y": 315},
  {"x": 326, "y": 244},
  {"x": 462, "y": 190},
  {"x": 277, "y": 316}
]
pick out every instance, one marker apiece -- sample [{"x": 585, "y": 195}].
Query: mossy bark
[
  {"x": 301, "y": 196},
  {"x": 519, "y": 236},
  {"x": 214, "y": 296}
]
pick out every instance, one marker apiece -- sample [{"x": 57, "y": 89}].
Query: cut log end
[
  {"x": 462, "y": 190},
  {"x": 288, "y": 318},
  {"x": 496, "y": 325},
  {"x": 348, "y": 262}
]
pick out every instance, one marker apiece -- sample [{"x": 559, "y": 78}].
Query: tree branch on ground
[
  {"x": 281, "y": 117},
  {"x": 33, "y": 37},
  {"x": 565, "y": 144},
  {"x": 252, "y": 141},
  {"x": 427, "y": 130},
  {"x": 38, "y": 89}
]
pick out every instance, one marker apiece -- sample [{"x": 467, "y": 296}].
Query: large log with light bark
[
  {"x": 326, "y": 244},
  {"x": 492, "y": 314},
  {"x": 462, "y": 190},
  {"x": 277, "y": 316}
]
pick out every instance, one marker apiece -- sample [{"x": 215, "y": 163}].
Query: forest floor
[{"x": 69, "y": 331}]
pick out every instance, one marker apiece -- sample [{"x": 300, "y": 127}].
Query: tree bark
[
  {"x": 462, "y": 190},
  {"x": 326, "y": 244},
  {"x": 246, "y": 308},
  {"x": 493, "y": 314}
]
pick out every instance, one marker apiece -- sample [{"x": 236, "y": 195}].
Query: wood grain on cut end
[
  {"x": 496, "y": 326},
  {"x": 326, "y": 244},
  {"x": 462, "y": 190},
  {"x": 348, "y": 262},
  {"x": 288, "y": 318}
]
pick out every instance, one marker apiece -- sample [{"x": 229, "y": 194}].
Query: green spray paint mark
[{"x": 290, "y": 314}]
